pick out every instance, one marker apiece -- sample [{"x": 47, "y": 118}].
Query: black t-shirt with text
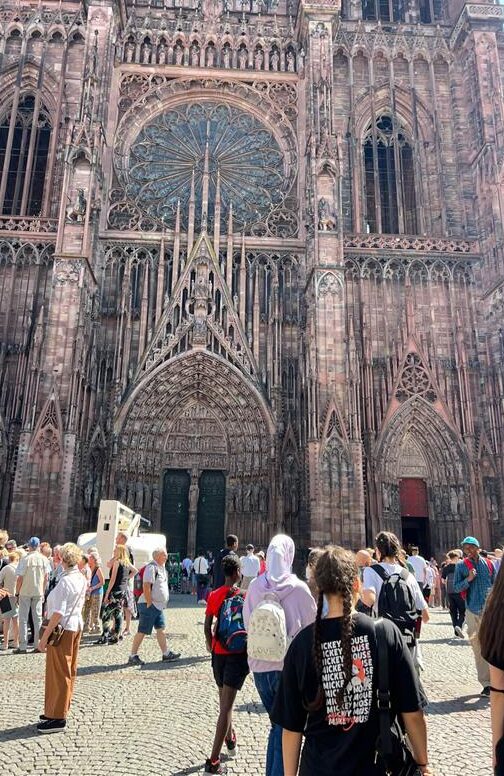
[{"x": 342, "y": 740}]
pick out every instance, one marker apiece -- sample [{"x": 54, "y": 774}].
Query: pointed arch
[{"x": 47, "y": 439}]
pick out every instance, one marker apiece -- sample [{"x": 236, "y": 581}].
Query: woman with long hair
[
  {"x": 94, "y": 595},
  {"x": 115, "y": 597},
  {"x": 491, "y": 639},
  {"x": 328, "y": 685}
]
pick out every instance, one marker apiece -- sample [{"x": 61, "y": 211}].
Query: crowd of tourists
[{"x": 335, "y": 659}]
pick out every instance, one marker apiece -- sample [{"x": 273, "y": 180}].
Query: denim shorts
[{"x": 149, "y": 618}]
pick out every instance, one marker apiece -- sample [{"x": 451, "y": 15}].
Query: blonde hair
[
  {"x": 4, "y": 553},
  {"x": 122, "y": 555},
  {"x": 70, "y": 554},
  {"x": 4, "y": 537},
  {"x": 14, "y": 556}
]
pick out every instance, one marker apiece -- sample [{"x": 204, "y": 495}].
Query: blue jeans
[{"x": 267, "y": 685}]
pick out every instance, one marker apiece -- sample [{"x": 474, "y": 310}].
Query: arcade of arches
[{"x": 236, "y": 291}]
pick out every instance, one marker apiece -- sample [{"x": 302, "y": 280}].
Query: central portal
[{"x": 194, "y": 510}]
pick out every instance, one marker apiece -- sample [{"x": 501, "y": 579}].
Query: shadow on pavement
[
  {"x": 183, "y": 662},
  {"x": 454, "y": 705},
  {"x": 17, "y": 733},
  {"x": 251, "y": 708},
  {"x": 188, "y": 771}
]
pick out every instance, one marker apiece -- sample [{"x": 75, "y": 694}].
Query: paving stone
[{"x": 159, "y": 720}]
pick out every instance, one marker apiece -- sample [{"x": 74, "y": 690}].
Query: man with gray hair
[{"x": 154, "y": 599}]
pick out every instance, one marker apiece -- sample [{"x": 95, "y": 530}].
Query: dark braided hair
[{"x": 335, "y": 573}]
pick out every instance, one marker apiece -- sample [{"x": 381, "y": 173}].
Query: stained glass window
[{"x": 172, "y": 146}]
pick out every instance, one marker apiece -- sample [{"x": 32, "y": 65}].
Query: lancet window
[
  {"x": 389, "y": 180},
  {"x": 24, "y": 148},
  {"x": 429, "y": 11}
]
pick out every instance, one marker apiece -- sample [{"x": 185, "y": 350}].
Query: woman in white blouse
[{"x": 64, "y": 607}]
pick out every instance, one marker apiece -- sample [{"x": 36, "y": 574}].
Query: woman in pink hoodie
[{"x": 299, "y": 608}]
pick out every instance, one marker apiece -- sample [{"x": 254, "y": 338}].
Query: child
[{"x": 230, "y": 668}]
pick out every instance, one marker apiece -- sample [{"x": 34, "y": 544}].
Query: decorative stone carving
[{"x": 77, "y": 212}]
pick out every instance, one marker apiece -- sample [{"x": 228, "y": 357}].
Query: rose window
[
  {"x": 415, "y": 380},
  {"x": 171, "y": 148}
]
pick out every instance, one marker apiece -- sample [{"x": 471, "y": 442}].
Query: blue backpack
[{"x": 231, "y": 628}]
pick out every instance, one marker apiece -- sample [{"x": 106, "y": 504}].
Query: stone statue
[
  {"x": 146, "y": 53},
  {"x": 88, "y": 491},
  {"x": 454, "y": 505},
  {"x": 179, "y": 54},
  {"x": 162, "y": 54},
  {"x": 385, "y": 497},
  {"x": 210, "y": 56},
  {"x": 226, "y": 57},
  {"x": 194, "y": 55},
  {"x": 242, "y": 58},
  {"x": 258, "y": 59},
  {"x": 130, "y": 51},
  {"x": 291, "y": 62},
  {"x": 193, "y": 496},
  {"x": 326, "y": 220},
  {"x": 76, "y": 213},
  {"x": 263, "y": 500},
  {"x": 274, "y": 60}
]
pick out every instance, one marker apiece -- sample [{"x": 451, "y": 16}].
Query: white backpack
[{"x": 267, "y": 631}]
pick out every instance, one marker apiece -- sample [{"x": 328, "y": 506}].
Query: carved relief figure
[
  {"x": 326, "y": 220},
  {"x": 130, "y": 51},
  {"x": 258, "y": 59},
  {"x": 195, "y": 55},
  {"x": 77, "y": 211},
  {"x": 162, "y": 54},
  {"x": 274, "y": 60},
  {"x": 226, "y": 56},
  {"x": 242, "y": 58},
  {"x": 291, "y": 61},
  {"x": 179, "y": 53}
]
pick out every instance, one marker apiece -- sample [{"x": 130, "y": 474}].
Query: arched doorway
[
  {"x": 418, "y": 444},
  {"x": 198, "y": 414}
]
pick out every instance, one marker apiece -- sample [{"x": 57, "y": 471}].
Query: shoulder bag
[{"x": 393, "y": 755}]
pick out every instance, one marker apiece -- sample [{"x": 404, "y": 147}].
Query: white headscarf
[{"x": 279, "y": 558}]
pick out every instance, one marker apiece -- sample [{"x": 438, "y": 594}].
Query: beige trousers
[
  {"x": 61, "y": 670},
  {"x": 473, "y": 623}
]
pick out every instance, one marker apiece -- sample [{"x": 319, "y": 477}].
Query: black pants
[{"x": 457, "y": 609}]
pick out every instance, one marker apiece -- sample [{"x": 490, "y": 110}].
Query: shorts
[
  {"x": 149, "y": 618},
  {"x": 230, "y": 670}
]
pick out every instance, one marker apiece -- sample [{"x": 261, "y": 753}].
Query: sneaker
[
  {"x": 217, "y": 767},
  {"x": 459, "y": 633},
  {"x": 101, "y": 640},
  {"x": 19, "y": 651},
  {"x": 169, "y": 658},
  {"x": 231, "y": 745},
  {"x": 485, "y": 692},
  {"x": 43, "y": 718},
  {"x": 51, "y": 726},
  {"x": 134, "y": 660}
]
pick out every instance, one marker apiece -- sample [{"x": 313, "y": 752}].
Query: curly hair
[
  {"x": 230, "y": 565},
  {"x": 71, "y": 554},
  {"x": 335, "y": 574}
]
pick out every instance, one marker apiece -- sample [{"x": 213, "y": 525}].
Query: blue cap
[
  {"x": 471, "y": 540},
  {"x": 34, "y": 542}
]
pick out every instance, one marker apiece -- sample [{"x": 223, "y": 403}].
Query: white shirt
[
  {"x": 200, "y": 565},
  {"x": 420, "y": 567},
  {"x": 372, "y": 581},
  {"x": 8, "y": 578},
  {"x": 250, "y": 565},
  {"x": 67, "y": 599},
  {"x": 430, "y": 577},
  {"x": 34, "y": 568}
]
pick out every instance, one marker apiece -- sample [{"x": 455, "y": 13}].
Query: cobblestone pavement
[{"x": 160, "y": 719}]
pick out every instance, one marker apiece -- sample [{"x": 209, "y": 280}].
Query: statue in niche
[
  {"x": 146, "y": 53},
  {"x": 302, "y": 57},
  {"x": 155, "y": 497},
  {"x": 139, "y": 496},
  {"x": 326, "y": 220},
  {"x": 162, "y": 54},
  {"x": 290, "y": 485},
  {"x": 255, "y": 496},
  {"x": 179, "y": 54},
  {"x": 121, "y": 489},
  {"x": 76, "y": 213},
  {"x": 130, "y": 51},
  {"x": 97, "y": 486},
  {"x": 88, "y": 491},
  {"x": 226, "y": 57},
  {"x": 274, "y": 60},
  {"x": 258, "y": 59},
  {"x": 454, "y": 504},
  {"x": 263, "y": 500},
  {"x": 247, "y": 499},
  {"x": 237, "y": 496},
  {"x": 194, "y": 55},
  {"x": 242, "y": 58},
  {"x": 291, "y": 62},
  {"x": 462, "y": 502},
  {"x": 193, "y": 496},
  {"x": 210, "y": 56},
  {"x": 385, "y": 497}
]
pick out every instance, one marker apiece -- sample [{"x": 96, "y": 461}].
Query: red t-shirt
[{"x": 214, "y": 603}]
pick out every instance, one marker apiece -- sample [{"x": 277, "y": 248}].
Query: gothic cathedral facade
[{"x": 252, "y": 268}]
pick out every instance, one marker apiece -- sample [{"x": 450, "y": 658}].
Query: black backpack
[{"x": 396, "y": 602}]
